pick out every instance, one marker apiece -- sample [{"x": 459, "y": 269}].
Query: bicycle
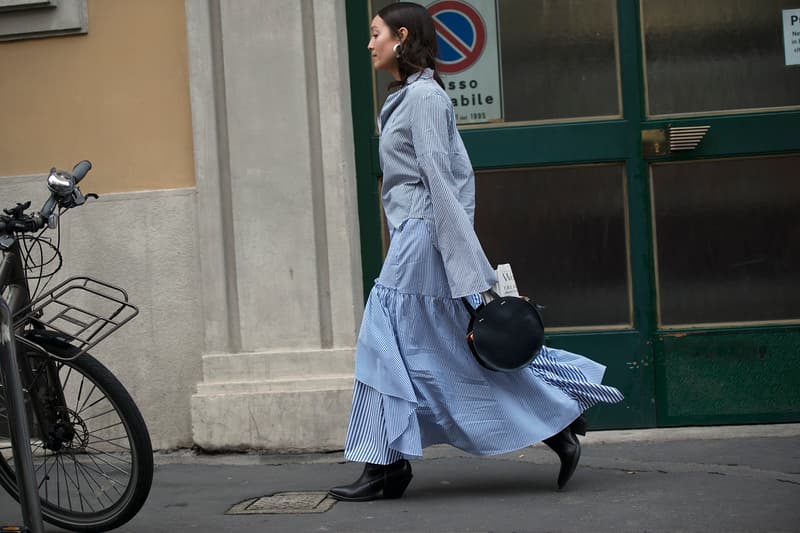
[{"x": 92, "y": 460}]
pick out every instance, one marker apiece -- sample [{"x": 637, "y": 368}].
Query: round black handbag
[{"x": 505, "y": 334}]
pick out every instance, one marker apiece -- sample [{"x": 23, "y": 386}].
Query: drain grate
[{"x": 285, "y": 503}]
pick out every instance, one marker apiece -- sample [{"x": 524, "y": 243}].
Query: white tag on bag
[{"x": 506, "y": 286}]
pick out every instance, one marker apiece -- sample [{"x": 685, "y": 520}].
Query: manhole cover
[{"x": 285, "y": 503}]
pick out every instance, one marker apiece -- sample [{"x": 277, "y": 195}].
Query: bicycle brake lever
[
  {"x": 75, "y": 199},
  {"x": 78, "y": 198}
]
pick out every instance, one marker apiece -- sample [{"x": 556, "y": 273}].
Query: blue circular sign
[{"x": 460, "y": 35}]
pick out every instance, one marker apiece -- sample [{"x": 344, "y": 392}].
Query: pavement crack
[
  {"x": 787, "y": 481},
  {"x": 624, "y": 470}
]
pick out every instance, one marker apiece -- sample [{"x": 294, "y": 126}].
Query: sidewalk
[{"x": 734, "y": 478}]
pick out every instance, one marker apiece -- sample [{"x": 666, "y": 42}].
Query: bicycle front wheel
[{"x": 93, "y": 471}]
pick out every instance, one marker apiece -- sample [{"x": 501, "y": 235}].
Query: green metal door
[
  {"x": 725, "y": 211},
  {"x": 624, "y": 238}
]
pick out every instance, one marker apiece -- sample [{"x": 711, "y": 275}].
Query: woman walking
[{"x": 417, "y": 383}]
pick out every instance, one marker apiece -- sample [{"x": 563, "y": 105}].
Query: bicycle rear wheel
[{"x": 94, "y": 473}]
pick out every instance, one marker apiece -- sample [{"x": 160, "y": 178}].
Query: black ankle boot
[
  {"x": 568, "y": 449},
  {"x": 579, "y": 425},
  {"x": 376, "y": 481}
]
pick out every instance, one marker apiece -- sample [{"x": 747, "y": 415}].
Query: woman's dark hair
[{"x": 419, "y": 49}]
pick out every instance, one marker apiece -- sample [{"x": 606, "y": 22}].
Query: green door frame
[{"x": 637, "y": 368}]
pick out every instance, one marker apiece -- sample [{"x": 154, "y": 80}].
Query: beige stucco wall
[{"x": 118, "y": 96}]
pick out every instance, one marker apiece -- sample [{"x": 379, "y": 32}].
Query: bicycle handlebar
[
  {"x": 80, "y": 170},
  {"x": 35, "y": 222}
]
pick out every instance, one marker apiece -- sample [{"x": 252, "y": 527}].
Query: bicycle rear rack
[{"x": 83, "y": 309}]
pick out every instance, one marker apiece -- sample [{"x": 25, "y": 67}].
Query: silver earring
[{"x": 396, "y": 50}]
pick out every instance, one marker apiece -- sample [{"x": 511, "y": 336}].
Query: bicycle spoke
[
  {"x": 113, "y": 482},
  {"x": 46, "y": 475},
  {"x": 58, "y": 484},
  {"x": 89, "y": 395},
  {"x": 75, "y": 464},
  {"x": 109, "y": 464},
  {"x": 63, "y": 474},
  {"x": 95, "y": 403},
  {"x": 99, "y": 490},
  {"x": 107, "y": 427},
  {"x": 67, "y": 486},
  {"x": 81, "y": 472},
  {"x": 121, "y": 437},
  {"x": 9, "y": 447},
  {"x": 80, "y": 391},
  {"x": 76, "y": 483},
  {"x": 44, "y": 480},
  {"x": 69, "y": 374},
  {"x": 37, "y": 446},
  {"x": 81, "y": 499},
  {"x": 108, "y": 441},
  {"x": 98, "y": 470},
  {"x": 124, "y": 463}
]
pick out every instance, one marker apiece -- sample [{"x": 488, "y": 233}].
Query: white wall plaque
[{"x": 791, "y": 35}]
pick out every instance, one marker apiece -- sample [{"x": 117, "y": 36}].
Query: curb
[{"x": 654, "y": 435}]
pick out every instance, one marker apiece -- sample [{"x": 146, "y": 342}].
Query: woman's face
[{"x": 380, "y": 45}]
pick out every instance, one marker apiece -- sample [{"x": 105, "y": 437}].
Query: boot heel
[
  {"x": 579, "y": 426},
  {"x": 395, "y": 487}
]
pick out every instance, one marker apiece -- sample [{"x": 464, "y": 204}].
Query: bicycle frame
[
  {"x": 9, "y": 367},
  {"x": 12, "y": 278},
  {"x": 15, "y": 286}
]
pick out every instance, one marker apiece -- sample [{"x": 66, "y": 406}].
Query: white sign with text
[
  {"x": 791, "y": 35},
  {"x": 469, "y": 57}
]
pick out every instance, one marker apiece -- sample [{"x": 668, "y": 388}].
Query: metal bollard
[{"x": 18, "y": 424}]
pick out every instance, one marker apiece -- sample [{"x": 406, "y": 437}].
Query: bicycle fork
[{"x": 17, "y": 418}]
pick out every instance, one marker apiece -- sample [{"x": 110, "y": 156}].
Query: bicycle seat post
[{"x": 18, "y": 424}]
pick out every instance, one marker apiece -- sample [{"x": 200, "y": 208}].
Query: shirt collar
[{"x": 424, "y": 74}]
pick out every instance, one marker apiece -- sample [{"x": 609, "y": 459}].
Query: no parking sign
[{"x": 469, "y": 62}]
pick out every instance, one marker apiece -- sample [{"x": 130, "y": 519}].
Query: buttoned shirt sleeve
[{"x": 436, "y": 142}]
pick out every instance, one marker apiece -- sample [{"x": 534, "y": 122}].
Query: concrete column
[{"x": 277, "y": 222}]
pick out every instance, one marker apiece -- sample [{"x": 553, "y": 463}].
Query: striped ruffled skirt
[{"x": 417, "y": 383}]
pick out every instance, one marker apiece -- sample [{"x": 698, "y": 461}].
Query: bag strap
[{"x": 472, "y": 310}]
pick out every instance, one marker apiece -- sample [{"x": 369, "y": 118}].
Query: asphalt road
[{"x": 709, "y": 479}]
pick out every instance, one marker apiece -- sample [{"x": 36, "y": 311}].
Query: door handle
[{"x": 654, "y": 143}]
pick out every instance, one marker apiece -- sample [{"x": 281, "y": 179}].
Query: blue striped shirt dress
[{"x": 416, "y": 381}]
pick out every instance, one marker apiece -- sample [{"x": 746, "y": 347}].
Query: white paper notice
[{"x": 791, "y": 35}]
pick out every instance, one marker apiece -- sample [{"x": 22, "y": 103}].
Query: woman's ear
[{"x": 403, "y": 33}]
